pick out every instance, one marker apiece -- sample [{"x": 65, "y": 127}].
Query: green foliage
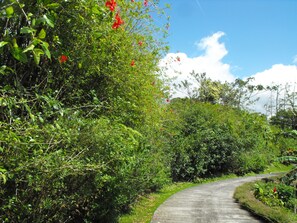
[
  {"x": 79, "y": 123},
  {"x": 90, "y": 164},
  {"x": 214, "y": 139},
  {"x": 285, "y": 119},
  {"x": 276, "y": 194},
  {"x": 96, "y": 71}
]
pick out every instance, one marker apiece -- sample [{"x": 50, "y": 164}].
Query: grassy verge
[
  {"x": 245, "y": 197},
  {"x": 144, "y": 209},
  {"x": 278, "y": 167}
]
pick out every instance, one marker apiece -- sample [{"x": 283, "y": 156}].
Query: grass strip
[
  {"x": 144, "y": 209},
  {"x": 244, "y": 195}
]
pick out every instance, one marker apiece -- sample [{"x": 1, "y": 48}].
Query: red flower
[
  {"x": 140, "y": 43},
  {"x": 167, "y": 100},
  {"x": 274, "y": 190},
  {"x": 118, "y": 21},
  {"x": 145, "y": 3},
  {"x": 132, "y": 0},
  {"x": 63, "y": 58},
  {"x": 178, "y": 59},
  {"x": 132, "y": 63},
  {"x": 111, "y": 4}
]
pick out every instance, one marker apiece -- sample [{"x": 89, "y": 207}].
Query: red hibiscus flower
[
  {"x": 140, "y": 43},
  {"x": 63, "y": 58},
  {"x": 145, "y": 3},
  {"x": 132, "y": 0},
  {"x": 132, "y": 63},
  {"x": 111, "y": 4},
  {"x": 118, "y": 22},
  {"x": 274, "y": 190}
]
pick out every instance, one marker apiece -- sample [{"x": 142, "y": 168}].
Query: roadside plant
[
  {"x": 276, "y": 194},
  {"x": 74, "y": 112}
]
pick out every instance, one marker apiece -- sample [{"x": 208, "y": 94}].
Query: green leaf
[
  {"x": 29, "y": 48},
  {"x": 2, "y": 174},
  {"x": 18, "y": 54},
  {"x": 3, "y": 178},
  {"x": 53, "y": 5},
  {"x": 42, "y": 34},
  {"x": 27, "y": 30},
  {"x": 98, "y": 34},
  {"x": 44, "y": 46},
  {"x": 48, "y": 21},
  {"x": 3, "y": 43},
  {"x": 40, "y": 119},
  {"x": 36, "y": 53},
  {"x": 2, "y": 71},
  {"x": 95, "y": 10},
  {"x": 9, "y": 11},
  {"x": 5, "y": 70}
]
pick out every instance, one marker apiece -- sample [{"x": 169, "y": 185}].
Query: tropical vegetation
[{"x": 87, "y": 125}]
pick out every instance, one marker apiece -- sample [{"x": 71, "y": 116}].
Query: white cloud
[
  {"x": 214, "y": 50},
  {"x": 278, "y": 74},
  {"x": 179, "y": 65}
]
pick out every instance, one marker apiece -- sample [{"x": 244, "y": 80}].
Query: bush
[
  {"x": 214, "y": 139},
  {"x": 84, "y": 171},
  {"x": 80, "y": 114},
  {"x": 276, "y": 194}
]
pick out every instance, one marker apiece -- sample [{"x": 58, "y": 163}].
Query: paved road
[{"x": 207, "y": 203}]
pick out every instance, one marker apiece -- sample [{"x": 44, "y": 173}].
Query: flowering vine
[
  {"x": 111, "y": 4},
  {"x": 63, "y": 58},
  {"x": 118, "y": 21}
]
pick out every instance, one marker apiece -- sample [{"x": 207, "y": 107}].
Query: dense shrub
[
  {"x": 216, "y": 139},
  {"x": 276, "y": 194},
  {"x": 79, "y": 108},
  {"x": 76, "y": 170}
]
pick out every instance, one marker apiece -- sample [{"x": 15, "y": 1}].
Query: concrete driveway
[{"x": 207, "y": 203}]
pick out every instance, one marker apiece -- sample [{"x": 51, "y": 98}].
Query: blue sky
[{"x": 257, "y": 34}]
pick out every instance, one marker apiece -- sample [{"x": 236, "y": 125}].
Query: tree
[
  {"x": 239, "y": 94},
  {"x": 286, "y": 119},
  {"x": 282, "y": 97}
]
